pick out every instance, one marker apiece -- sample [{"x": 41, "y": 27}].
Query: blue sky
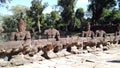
[{"x": 5, "y": 11}]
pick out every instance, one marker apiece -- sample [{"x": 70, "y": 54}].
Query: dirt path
[{"x": 106, "y": 59}]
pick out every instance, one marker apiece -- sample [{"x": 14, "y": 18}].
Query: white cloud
[
  {"x": 82, "y": 1},
  {"x": 47, "y": 10},
  {"x": 82, "y": 4}
]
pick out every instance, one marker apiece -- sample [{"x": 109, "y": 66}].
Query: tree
[
  {"x": 20, "y": 12},
  {"x": 97, "y": 6},
  {"x": 1, "y": 29},
  {"x": 51, "y": 20},
  {"x": 115, "y": 16},
  {"x": 105, "y": 17},
  {"x": 55, "y": 17},
  {"x": 47, "y": 22},
  {"x": 118, "y": 4},
  {"x": 67, "y": 13},
  {"x": 3, "y": 2},
  {"x": 9, "y": 23},
  {"x": 35, "y": 13},
  {"x": 18, "y": 9},
  {"x": 80, "y": 14}
]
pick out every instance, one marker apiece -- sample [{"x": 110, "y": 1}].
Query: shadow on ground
[{"x": 114, "y": 61}]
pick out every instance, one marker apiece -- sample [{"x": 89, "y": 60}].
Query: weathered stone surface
[
  {"x": 74, "y": 50},
  {"x": 50, "y": 54},
  {"x": 4, "y": 64},
  {"x": 17, "y": 60}
]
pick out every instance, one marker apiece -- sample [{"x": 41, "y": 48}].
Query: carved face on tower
[{"x": 21, "y": 25}]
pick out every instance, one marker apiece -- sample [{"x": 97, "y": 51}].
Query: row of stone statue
[{"x": 22, "y": 34}]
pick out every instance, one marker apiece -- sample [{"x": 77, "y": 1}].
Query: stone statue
[
  {"x": 118, "y": 30},
  {"x": 52, "y": 33},
  {"x": 100, "y": 33},
  {"x": 88, "y": 33},
  {"x": 21, "y": 34}
]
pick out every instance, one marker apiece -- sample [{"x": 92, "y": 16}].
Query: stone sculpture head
[{"x": 21, "y": 25}]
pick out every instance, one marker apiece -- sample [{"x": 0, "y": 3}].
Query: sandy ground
[{"x": 106, "y": 59}]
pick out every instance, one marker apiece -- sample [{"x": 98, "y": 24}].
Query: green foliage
[
  {"x": 28, "y": 22},
  {"x": 97, "y": 7},
  {"x": 67, "y": 13},
  {"x": 54, "y": 18},
  {"x": 51, "y": 20},
  {"x": 80, "y": 17},
  {"x": 9, "y": 24},
  {"x": 116, "y": 14},
  {"x": 105, "y": 17},
  {"x": 79, "y": 13},
  {"x": 18, "y": 9},
  {"x": 55, "y": 15},
  {"x": 110, "y": 17},
  {"x": 106, "y": 12},
  {"x": 47, "y": 20},
  {"x": 77, "y": 23},
  {"x": 35, "y": 13}
]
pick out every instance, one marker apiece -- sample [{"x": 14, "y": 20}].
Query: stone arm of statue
[
  {"x": 83, "y": 33},
  {"x": 92, "y": 34},
  {"x": 46, "y": 33},
  {"x": 104, "y": 34},
  {"x": 96, "y": 33},
  {"x": 58, "y": 33},
  {"x": 117, "y": 33},
  {"x": 28, "y": 36},
  {"x": 57, "y": 36},
  {"x": 27, "y": 39}
]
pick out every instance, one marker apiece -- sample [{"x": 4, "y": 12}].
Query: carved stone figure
[
  {"x": 52, "y": 33},
  {"x": 100, "y": 33},
  {"x": 118, "y": 30},
  {"x": 21, "y": 34},
  {"x": 88, "y": 33}
]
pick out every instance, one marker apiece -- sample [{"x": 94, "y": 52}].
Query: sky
[{"x": 5, "y": 11}]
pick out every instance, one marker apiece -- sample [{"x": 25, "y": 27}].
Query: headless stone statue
[
  {"x": 100, "y": 33},
  {"x": 21, "y": 34},
  {"x": 52, "y": 33}
]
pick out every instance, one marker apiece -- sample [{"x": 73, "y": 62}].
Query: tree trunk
[
  {"x": 66, "y": 28},
  {"x": 38, "y": 24}
]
